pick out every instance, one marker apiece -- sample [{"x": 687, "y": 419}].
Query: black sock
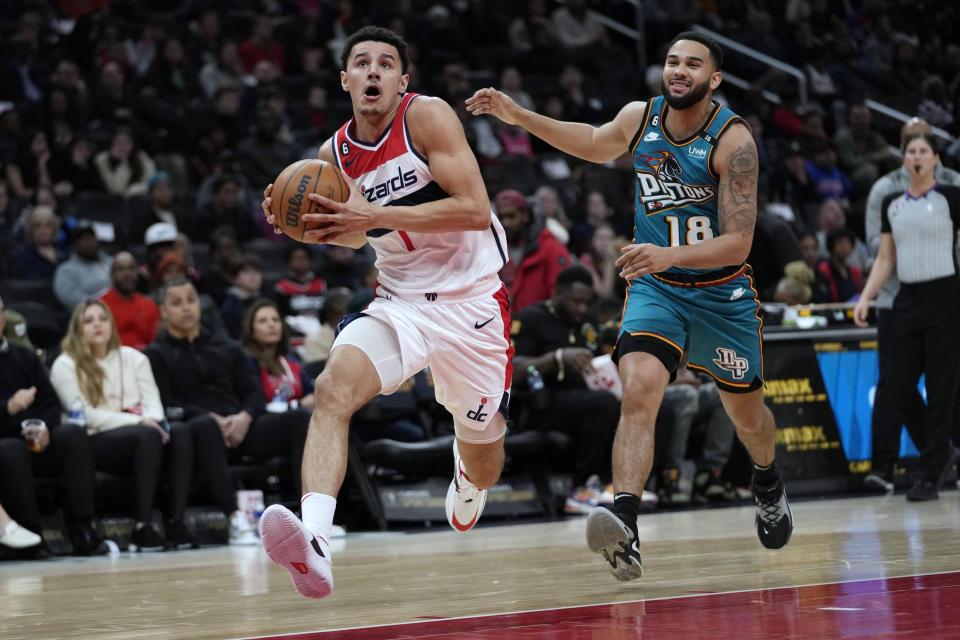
[
  {"x": 627, "y": 506},
  {"x": 766, "y": 476}
]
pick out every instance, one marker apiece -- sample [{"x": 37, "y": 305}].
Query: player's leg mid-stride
[{"x": 464, "y": 500}]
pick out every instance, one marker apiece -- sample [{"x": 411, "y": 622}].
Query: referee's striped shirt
[{"x": 924, "y": 231}]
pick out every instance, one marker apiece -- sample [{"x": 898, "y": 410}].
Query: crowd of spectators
[{"x": 137, "y": 136}]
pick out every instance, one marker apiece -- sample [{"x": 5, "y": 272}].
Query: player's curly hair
[{"x": 376, "y": 34}]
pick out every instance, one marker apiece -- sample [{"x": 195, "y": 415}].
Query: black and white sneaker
[
  {"x": 774, "y": 517},
  {"x": 616, "y": 540}
]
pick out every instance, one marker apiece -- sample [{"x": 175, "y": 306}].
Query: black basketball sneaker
[
  {"x": 774, "y": 517},
  {"x": 616, "y": 540}
]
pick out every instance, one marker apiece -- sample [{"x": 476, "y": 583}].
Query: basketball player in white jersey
[{"x": 416, "y": 195}]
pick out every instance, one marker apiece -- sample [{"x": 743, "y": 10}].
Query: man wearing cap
[
  {"x": 86, "y": 274},
  {"x": 536, "y": 256},
  {"x": 159, "y": 238},
  {"x": 136, "y": 315}
]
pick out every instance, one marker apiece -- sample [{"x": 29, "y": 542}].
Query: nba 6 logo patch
[{"x": 728, "y": 360}]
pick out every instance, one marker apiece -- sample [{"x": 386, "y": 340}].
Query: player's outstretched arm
[
  {"x": 737, "y": 167},
  {"x": 596, "y": 144}
]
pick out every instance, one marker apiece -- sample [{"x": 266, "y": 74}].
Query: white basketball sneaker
[
  {"x": 464, "y": 500},
  {"x": 291, "y": 545}
]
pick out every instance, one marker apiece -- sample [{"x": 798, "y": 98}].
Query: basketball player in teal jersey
[{"x": 690, "y": 296}]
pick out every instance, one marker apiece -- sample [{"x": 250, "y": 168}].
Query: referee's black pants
[
  {"x": 887, "y": 417},
  {"x": 926, "y": 341}
]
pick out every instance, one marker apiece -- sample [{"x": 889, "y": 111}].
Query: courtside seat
[
  {"x": 416, "y": 458},
  {"x": 270, "y": 476},
  {"x": 33, "y": 290},
  {"x": 527, "y": 453},
  {"x": 408, "y": 457},
  {"x": 45, "y": 326}
]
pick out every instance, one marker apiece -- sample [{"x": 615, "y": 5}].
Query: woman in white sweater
[
  {"x": 124, "y": 168},
  {"x": 125, "y": 419}
]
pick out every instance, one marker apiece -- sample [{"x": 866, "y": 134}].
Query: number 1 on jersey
[{"x": 698, "y": 229}]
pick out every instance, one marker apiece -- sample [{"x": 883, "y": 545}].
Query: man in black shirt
[
  {"x": 206, "y": 380},
  {"x": 556, "y": 339},
  {"x": 26, "y": 392}
]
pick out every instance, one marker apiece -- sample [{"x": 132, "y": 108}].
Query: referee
[
  {"x": 887, "y": 420},
  {"x": 919, "y": 235}
]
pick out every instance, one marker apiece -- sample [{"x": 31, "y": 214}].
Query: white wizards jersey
[{"x": 390, "y": 172}]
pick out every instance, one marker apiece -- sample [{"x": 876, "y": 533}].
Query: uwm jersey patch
[
  {"x": 391, "y": 172},
  {"x": 660, "y": 184}
]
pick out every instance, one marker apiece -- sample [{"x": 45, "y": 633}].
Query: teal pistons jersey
[{"x": 676, "y": 200}]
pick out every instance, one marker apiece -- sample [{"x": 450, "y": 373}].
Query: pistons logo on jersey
[{"x": 661, "y": 187}]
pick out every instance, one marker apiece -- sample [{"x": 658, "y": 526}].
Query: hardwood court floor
[{"x": 399, "y": 578}]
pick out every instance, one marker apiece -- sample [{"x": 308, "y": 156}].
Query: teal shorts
[{"x": 713, "y": 324}]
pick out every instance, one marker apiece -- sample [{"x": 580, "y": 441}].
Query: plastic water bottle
[
  {"x": 539, "y": 396},
  {"x": 76, "y": 414},
  {"x": 534, "y": 379},
  {"x": 279, "y": 402}
]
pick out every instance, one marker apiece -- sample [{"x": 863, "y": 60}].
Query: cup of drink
[
  {"x": 32, "y": 430},
  {"x": 251, "y": 503}
]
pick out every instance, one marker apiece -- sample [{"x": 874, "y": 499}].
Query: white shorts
[{"x": 465, "y": 342}]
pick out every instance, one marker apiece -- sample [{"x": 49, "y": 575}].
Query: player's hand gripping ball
[{"x": 290, "y": 190}]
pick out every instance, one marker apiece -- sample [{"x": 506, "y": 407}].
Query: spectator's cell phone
[{"x": 165, "y": 425}]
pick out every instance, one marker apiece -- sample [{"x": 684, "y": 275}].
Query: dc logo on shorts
[
  {"x": 479, "y": 414},
  {"x": 430, "y": 297},
  {"x": 729, "y": 360}
]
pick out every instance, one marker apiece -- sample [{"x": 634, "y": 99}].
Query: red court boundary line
[{"x": 485, "y": 622}]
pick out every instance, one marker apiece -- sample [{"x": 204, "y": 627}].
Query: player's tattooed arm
[{"x": 737, "y": 198}]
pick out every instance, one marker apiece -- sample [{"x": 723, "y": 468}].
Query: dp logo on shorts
[{"x": 729, "y": 360}]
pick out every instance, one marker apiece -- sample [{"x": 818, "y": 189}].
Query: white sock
[{"x": 317, "y": 510}]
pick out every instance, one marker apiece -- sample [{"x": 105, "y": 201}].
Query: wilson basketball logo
[{"x": 296, "y": 200}]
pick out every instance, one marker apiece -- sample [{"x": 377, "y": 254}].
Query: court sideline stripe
[{"x": 306, "y": 635}]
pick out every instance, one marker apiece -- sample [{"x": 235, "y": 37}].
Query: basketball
[{"x": 294, "y": 184}]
